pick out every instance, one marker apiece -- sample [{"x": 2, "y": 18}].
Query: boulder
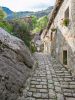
[{"x": 16, "y": 64}]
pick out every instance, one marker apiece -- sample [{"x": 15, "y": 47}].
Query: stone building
[{"x": 59, "y": 37}]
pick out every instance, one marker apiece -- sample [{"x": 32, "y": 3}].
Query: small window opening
[
  {"x": 51, "y": 36},
  {"x": 67, "y": 13},
  {"x": 65, "y": 57}
]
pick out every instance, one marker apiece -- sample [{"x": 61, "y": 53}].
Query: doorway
[{"x": 65, "y": 57}]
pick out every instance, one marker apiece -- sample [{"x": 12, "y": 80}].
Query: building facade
[{"x": 59, "y": 37}]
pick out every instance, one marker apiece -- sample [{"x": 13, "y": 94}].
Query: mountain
[
  {"x": 43, "y": 12},
  {"x": 7, "y": 11},
  {"x": 15, "y": 15}
]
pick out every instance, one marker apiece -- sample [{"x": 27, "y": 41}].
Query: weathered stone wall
[
  {"x": 16, "y": 64},
  {"x": 65, "y": 36}
]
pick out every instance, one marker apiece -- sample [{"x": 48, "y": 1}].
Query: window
[
  {"x": 51, "y": 36},
  {"x": 66, "y": 18},
  {"x": 67, "y": 13},
  {"x": 65, "y": 57}
]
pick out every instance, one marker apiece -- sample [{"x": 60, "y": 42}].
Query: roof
[{"x": 54, "y": 13}]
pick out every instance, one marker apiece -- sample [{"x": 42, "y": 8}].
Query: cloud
[{"x": 23, "y": 5}]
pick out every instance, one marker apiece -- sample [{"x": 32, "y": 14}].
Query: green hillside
[{"x": 15, "y": 15}]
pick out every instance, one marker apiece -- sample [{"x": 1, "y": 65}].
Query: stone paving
[{"x": 50, "y": 81}]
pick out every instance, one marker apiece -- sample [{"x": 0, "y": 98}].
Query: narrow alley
[{"x": 50, "y": 81}]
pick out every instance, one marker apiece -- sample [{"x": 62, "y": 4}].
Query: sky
[{"x": 27, "y": 5}]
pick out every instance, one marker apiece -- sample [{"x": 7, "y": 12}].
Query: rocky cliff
[{"x": 16, "y": 64}]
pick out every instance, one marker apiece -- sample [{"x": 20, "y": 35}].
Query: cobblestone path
[{"x": 50, "y": 81}]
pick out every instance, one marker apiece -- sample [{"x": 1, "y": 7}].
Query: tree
[
  {"x": 41, "y": 24},
  {"x": 34, "y": 21},
  {"x": 2, "y": 14},
  {"x": 22, "y": 29}
]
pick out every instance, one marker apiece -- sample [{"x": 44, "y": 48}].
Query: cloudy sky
[{"x": 27, "y": 5}]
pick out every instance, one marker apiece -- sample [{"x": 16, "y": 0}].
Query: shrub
[
  {"x": 2, "y": 14},
  {"x": 65, "y": 22},
  {"x": 32, "y": 48},
  {"x": 6, "y": 26}
]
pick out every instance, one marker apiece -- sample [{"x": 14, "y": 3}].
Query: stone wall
[
  {"x": 65, "y": 35},
  {"x": 16, "y": 64}
]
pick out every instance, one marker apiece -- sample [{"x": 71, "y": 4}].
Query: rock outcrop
[{"x": 16, "y": 64}]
